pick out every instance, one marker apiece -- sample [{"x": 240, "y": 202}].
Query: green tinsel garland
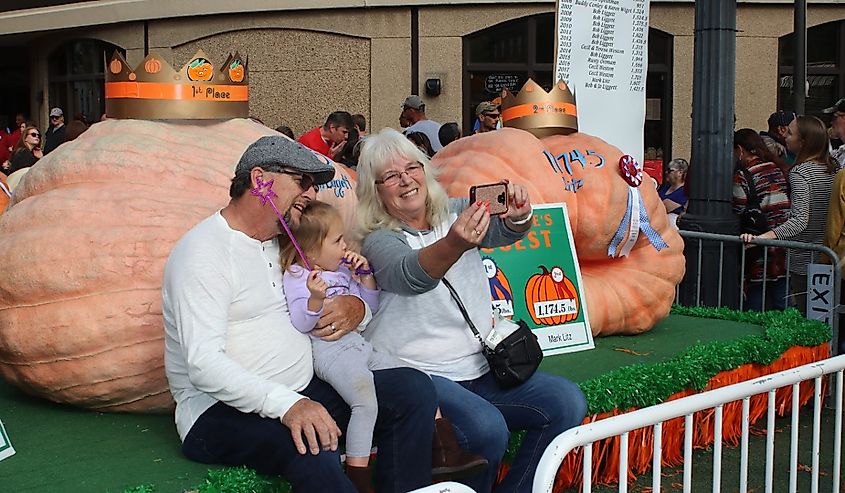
[
  {"x": 638, "y": 386},
  {"x": 634, "y": 386},
  {"x": 646, "y": 385}
]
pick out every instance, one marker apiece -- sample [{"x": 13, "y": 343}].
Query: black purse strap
[
  {"x": 753, "y": 197},
  {"x": 463, "y": 310}
]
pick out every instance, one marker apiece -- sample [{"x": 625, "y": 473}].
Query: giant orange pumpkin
[
  {"x": 623, "y": 295},
  {"x": 84, "y": 243}
]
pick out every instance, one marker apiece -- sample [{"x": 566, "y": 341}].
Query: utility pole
[
  {"x": 799, "y": 69},
  {"x": 712, "y": 161}
]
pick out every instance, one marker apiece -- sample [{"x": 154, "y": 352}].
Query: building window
[
  {"x": 508, "y": 54},
  {"x": 76, "y": 75},
  {"x": 825, "y": 77}
]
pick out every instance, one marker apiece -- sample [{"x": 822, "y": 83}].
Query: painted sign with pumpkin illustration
[
  {"x": 500, "y": 288},
  {"x": 538, "y": 280}
]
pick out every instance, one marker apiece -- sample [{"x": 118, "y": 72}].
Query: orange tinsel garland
[{"x": 641, "y": 441}]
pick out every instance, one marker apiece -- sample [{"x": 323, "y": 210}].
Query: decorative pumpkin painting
[
  {"x": 236, "y": 71},
  {"x": 551, "y": 285},
  {"x": 625, "y": 293},
  {"x": 200, "y": 70},
  {"x": 84, "y": 243},
  {"x": 500, "y": 286}
]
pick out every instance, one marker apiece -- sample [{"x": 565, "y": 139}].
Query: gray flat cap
[{"x": 274, "y": 152}]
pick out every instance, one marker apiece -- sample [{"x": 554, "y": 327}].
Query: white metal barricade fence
[
  {"x": 586, "y": 435},
  {"x": 698, "y": 239}
]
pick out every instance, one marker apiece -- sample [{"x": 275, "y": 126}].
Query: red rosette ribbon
[{"x": 631, "y": 170}]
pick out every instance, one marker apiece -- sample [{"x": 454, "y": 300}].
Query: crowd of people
[
  {"x": 787, "y": 185},
  {"x": 22, "y": 146},
  {"x": 783, "y": 189},
  {"x": 341, "y": 135}
]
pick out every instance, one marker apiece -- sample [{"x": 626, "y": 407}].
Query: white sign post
[{"x": 602, "y": 55}]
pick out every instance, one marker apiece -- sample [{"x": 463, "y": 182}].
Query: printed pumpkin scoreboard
[{"x": 538, "y": 280}]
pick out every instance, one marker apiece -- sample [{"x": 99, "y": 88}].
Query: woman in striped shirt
[
  {"x": 810, "y": 181},
  {"x": 759, "y": 183}
]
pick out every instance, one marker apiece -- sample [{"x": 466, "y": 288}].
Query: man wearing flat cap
[{"x": 242, "y": 375}]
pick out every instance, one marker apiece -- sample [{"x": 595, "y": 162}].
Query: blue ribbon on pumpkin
[{"x": 648, "y": 230}]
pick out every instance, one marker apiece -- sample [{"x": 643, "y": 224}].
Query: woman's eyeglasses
[
  {"x": 34, "y": 134},
  {"x": 393, "y": 178}
]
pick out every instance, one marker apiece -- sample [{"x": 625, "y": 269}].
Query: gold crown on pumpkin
[
  {"x": 539, "y": 112},
  {"x": 155, "y": 91}
]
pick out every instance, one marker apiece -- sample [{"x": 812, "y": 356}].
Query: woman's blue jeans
[{"x": 483, "y": 414}]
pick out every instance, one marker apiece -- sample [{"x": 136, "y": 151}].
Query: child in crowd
[{"x": 347, "y": 364}]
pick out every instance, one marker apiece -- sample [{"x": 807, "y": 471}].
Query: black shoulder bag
[
  {"x": 515, "y": 358},
  {"x": 752, "y": 220}
]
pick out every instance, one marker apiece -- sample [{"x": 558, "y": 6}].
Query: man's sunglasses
[{"x": 306, "y": 181}]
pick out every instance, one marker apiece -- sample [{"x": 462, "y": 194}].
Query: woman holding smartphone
[{"x": 415, "y": 238}]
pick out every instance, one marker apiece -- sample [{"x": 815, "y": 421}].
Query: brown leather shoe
[
  {"x": 449, "y": 461},
  {"x": 360, "y": 477}
]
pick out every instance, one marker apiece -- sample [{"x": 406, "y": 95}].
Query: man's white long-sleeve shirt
[{"x": 228, "y": 334}]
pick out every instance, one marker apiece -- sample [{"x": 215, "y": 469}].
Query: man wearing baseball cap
[
  {"x": 775, "y": 136},
  {"x": 55, "y": 135},
  {"x": 837, "y": 128},
  {"x": 242, "y": 375},
  {"x": 488, "y": 116},
  {"x": 413, "y": 112}
]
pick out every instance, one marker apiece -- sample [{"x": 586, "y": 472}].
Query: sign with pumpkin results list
[{"x": 537, "y": 279}]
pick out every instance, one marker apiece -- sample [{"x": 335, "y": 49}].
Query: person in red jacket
[
  {"x": 8, "y": 142},
  {"x": 329, "y": 139}
]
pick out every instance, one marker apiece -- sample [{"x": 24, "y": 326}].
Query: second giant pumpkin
[{"x": 623, "y": 295}]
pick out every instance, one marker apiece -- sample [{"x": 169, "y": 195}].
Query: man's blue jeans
[
  {"x": 482, "y": 413},
  {"x": 403, "y": 434}
]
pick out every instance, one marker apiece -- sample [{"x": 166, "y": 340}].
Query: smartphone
[{"x": 495, "y": 193}]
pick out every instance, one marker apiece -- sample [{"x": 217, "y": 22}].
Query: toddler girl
[{"x": 347, "y": 364}]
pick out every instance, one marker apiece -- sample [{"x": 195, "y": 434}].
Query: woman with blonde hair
[{"x": 420, "y": 245}]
